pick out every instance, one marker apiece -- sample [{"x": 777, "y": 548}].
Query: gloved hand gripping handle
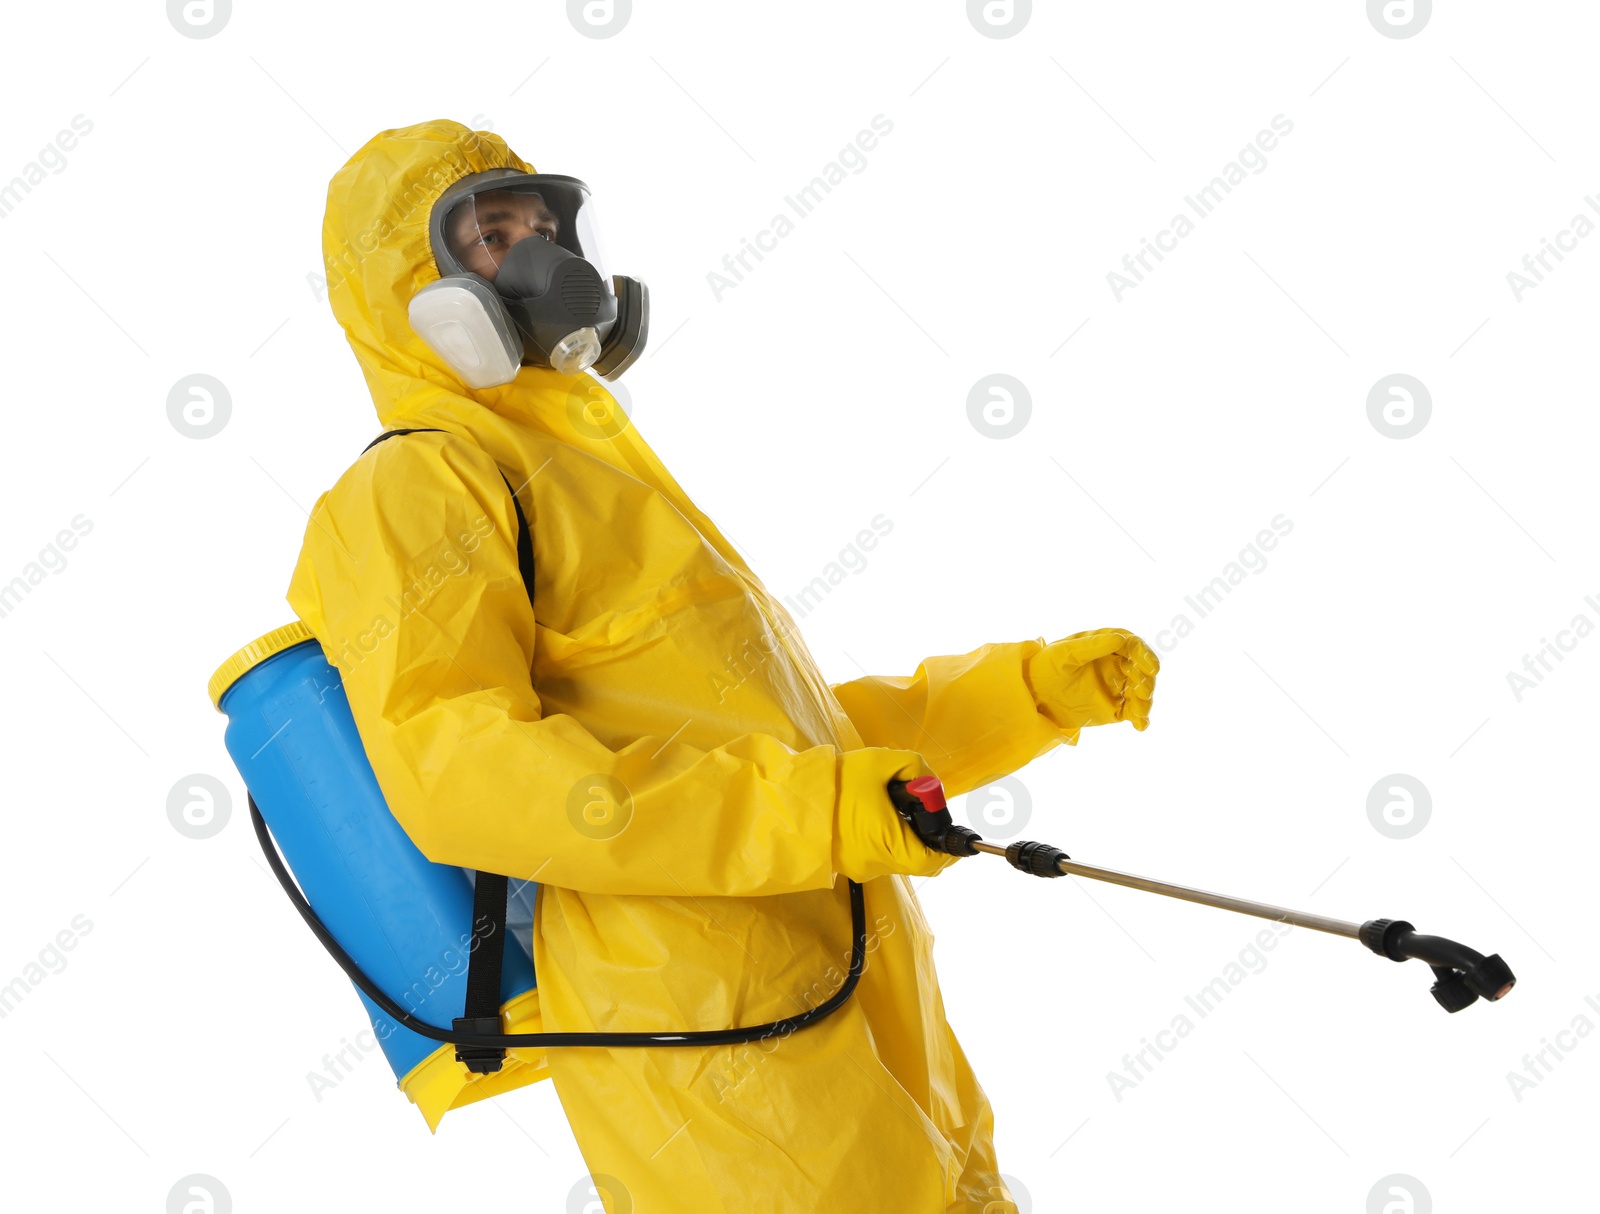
[{"x": 921, "y": 803}]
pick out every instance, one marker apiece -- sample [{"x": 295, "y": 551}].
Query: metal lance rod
[
  {"x": 1262, "y": 910},
  {"x": 1463, "y": 976}
]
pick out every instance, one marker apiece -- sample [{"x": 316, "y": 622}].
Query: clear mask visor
[{"x": 481, "y": 225}]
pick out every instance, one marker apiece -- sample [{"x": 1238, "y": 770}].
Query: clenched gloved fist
[
  {"x": 1094, "y": 678},
  {"x": 870, "y": 838}
]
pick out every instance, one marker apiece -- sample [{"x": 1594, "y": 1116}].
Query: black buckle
[{"x": 479, "y": 1059}]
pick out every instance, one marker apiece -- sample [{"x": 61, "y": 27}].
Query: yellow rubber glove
[
  {"x": 870, "y": 838},
  {"x": 1094, "y": 678}
]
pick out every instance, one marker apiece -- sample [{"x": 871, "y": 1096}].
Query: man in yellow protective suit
[{"x": 655, "y": 673}]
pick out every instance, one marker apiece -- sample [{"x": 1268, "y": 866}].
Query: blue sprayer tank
[{"x": 406, "y": 921}]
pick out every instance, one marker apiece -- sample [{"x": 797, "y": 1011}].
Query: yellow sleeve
[
  {"x": 972, "y": 716},
  {"x": 408, "y": 577}
]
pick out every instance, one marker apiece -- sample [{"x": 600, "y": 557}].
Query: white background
[{"x": 828, "y": 387}]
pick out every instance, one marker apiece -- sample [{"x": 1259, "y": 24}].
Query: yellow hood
[{"x": 375, "y": 247}]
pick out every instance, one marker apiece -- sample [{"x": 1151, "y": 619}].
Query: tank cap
[{"x": 253, "y": 654}]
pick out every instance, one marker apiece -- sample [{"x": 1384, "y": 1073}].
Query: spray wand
[{"x": 1461, "y": 974}]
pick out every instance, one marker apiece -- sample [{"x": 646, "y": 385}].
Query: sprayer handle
[{"x": 921, "y": 803}]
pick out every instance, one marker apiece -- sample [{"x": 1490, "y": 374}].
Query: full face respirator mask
[{"x": 523, "y": 284}]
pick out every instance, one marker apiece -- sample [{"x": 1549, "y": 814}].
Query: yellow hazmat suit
[{"x": 654, "y": 745}]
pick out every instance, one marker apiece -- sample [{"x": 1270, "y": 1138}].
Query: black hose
[{"x": 733, "y": 1036}]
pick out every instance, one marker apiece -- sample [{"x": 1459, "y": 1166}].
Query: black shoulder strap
[
  {"x": 387, "y": 434},
  {"x": 481, "y": 1014},
  {"x": 524, "y": 541}
]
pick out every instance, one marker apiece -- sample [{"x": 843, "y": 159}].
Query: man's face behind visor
[{"x": 481, "y": 232}]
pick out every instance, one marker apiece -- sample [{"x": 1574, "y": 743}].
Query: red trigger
[{"x": 929, "y": 791}]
